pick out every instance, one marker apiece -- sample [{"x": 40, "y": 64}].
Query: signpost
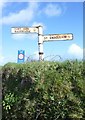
[
  {"x": 41, "y": 38},
  {"x": 20, "y": 30},
  {"x": 53, "y": 37}
]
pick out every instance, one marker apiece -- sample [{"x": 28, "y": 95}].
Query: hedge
[{"x": 43, "y": 91}]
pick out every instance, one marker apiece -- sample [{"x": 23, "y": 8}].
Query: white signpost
[
  {"x": 53, "y": 37},
  {"x": 41, "y": 38},
  {"x": 20, "y": 30}
]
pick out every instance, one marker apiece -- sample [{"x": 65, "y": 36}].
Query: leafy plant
[{"x": 43, "y": 91}]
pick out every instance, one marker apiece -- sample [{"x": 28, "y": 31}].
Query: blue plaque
[{"x": 21, "y": 56}]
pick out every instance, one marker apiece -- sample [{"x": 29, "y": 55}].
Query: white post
[{"x": 40, "y": 43}]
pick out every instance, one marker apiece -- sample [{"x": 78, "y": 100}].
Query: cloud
[
  {"x": 75, "y": 51},
  {"x": 19, "y": 36},
  {"x": 25, "y": 15},
  {"x": 4, "y": 59},
  {"x": 1, "y": 3},
  {"x": 52, "y": 10},
  {"x": 39, "y": 24},
  {"x": 24, "y": 36},
  {"x": 1, "y": 6},
  {"x": 8, "y": 59}
]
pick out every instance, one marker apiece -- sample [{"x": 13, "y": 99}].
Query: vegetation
[{"x": 43, "y": 91}]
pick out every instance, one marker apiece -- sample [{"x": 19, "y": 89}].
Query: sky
[{"x": 55, "y": 17}]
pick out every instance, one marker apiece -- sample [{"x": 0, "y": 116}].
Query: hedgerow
[{"x": 43, "y": 91}]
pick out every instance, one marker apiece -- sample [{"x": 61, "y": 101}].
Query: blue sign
[{"x": 21, "y": 56}]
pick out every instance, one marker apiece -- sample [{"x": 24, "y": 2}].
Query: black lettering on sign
[
  {"x": 34, "y": 30},
  {"x": 26, "y": 29},
  {"x": 56, "y": 37},
  {"x": 62, "y": 36},
  {"x": 65, "y": 36},
  {"x": 16, "y": 28}
]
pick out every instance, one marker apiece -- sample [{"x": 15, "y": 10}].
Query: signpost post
[{"x": 41, "y": 38}]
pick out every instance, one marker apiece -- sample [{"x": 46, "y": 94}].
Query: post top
[{"x": 38, "y": 26}]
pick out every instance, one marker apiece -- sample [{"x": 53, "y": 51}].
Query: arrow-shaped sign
[
  {"x": 52, "y": 37},
  {"x": 20, "y": 30}
]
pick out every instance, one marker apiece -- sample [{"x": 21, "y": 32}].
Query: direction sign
[
  {"x": 41, "y": 38},
  {"x": 52, "y": 37},
  {"x": 19, "y": 30}
]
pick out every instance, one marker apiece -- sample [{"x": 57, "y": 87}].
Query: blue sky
[{"x": 55, "y": 17}]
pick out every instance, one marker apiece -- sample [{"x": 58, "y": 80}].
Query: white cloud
[
  {"x": 39, "y": 24},
  {"x": 1, "y": 3},
  {"x": 19, "y": 36},
  {"x": 25, "y": 15},
  {"x": 24, "y": 36},
  {"x": 52, "y": 10},
  {"x": 8, "y": 59},
  {"x": 75, "y": 51}
]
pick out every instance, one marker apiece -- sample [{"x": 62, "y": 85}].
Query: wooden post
[{"x": 40, "y": 43}]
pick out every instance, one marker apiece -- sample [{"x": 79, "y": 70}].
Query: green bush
[{"x": 43, "y": 91}]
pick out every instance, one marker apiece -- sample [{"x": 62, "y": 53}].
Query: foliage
[{"x": 43, "y": 91}]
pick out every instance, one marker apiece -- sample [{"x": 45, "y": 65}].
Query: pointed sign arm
[
  {"x": 54, "y": 37},
  {"x": 24, "y": 30}
]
